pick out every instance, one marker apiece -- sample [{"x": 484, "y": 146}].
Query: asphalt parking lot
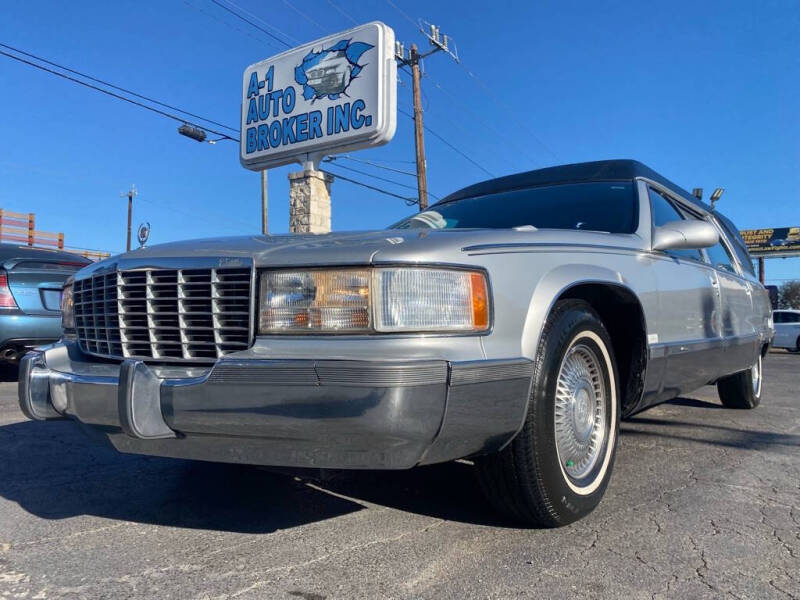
[{"x": 704, "y": 503}]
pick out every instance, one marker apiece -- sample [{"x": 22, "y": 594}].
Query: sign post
[{"x": 336, "y": 94}]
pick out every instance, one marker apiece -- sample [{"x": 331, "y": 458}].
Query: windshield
[{"x": 597, "y": 206}]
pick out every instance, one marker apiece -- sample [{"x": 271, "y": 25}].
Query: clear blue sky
[{"x": 707, "y": 93}]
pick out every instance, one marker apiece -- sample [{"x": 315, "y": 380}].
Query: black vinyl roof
[{"x": 601, "y": 170}]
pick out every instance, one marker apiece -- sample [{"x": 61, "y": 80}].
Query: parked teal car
[{"x": 31, "y": 280}]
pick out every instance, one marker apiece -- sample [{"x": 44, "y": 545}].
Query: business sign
[
  {"x": 333, "y": 95},
  {"x": 772, "y": 242}
]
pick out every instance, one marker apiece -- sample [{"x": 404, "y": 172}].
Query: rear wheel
[
  {"x": 742, "y": 389},
  {"x": 557, "y": 468}
]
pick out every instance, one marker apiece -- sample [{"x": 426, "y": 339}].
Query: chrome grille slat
[
  {"x": 165, "y": 314},
  {"x": 95, "y": 314}
]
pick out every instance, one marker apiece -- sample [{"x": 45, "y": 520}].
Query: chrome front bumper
[{"x": 295, "y": 413}]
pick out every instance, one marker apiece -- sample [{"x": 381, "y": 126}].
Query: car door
[
  {"x": 781, "y": 337},
  {"x": 739, "y": 334},
  {"x": 787, "y": 329},
  {"x": 793, "y": 331},
  {"x": 686, "y": 339}
]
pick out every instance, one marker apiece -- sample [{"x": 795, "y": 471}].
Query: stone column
[{"x": 310, "y": 202}]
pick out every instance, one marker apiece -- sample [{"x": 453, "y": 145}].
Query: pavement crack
[
  {"x": 702, "y": 570},
  {"x": 355, "y": 548}
]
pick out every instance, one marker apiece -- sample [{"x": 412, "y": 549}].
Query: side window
[
  {"x": 739, "y": 247},
  {"x": 720, "y": 258},
  {"x": 777, "y": 317},
  {"x": 792, "y": 318},
  {"x": 663, "y": 211}
]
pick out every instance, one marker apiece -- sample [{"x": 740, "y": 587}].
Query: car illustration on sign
[
  {"x": 512, "y": 323},
  {"x": 331, "y": 75}
]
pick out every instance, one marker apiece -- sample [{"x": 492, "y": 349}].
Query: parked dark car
[{"x": 31, "y": 280}]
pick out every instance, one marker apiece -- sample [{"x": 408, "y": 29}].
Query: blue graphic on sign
[{"x": 330, "y": 71}]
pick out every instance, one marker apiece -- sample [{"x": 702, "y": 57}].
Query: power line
[
  {"x": 408, "y": 201},
  {"x": 477, "y": 116},
  {"x": 376, "y": 165},
  {"x": 116, "y": 87},
  {"x": 449, "y": 145},
  {"x": 195, "y": 215},
  {"x": 305, "y": 16},
  {"x": 246, "y": 20},
  {"x": 489, "y": 93},
  {"x": 487, "y": 90},
  {"x": 343, "y": 12},
  {"x": 118, "y": 96},
  {"x": 214, "y": 17},
  {"x": 391, "y": 161},
  {"x": 402, "y": 12},
  {"x": 265, "y": 23},
  {"x": 392, "y": 181}
]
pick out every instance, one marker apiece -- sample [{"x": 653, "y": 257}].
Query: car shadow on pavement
[
  {"x": 693, "y": 403},
  {"x": 54, "y": 471},
  {"x": 8, "y": 372},
  {"x": 446, "y": 491},
  {"x": 706, "y": 433}
]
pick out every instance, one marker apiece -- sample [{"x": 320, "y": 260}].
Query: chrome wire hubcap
[
  {"x": 755, "y": 370},
  {"x": 580, "y": 411}
]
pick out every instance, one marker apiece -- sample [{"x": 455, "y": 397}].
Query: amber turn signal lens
[{"x": 480, "y": 303}]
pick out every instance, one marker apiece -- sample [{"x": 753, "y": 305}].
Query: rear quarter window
[{"x": 737, "y": 243}]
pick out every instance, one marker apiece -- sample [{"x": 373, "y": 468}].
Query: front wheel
[
  {"x": 742, "y": 389},
  {"x": 556, "y": 469}
]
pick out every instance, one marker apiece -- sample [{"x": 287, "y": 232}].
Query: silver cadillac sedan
[{"x": 513, "y": 323}]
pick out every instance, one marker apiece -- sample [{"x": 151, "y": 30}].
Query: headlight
[
  {"x": 430, "y": 300},
  {"x": 67, "y": 308},
  {"x": 314, "y": 301},
  {"x": 368, "y": 300}
]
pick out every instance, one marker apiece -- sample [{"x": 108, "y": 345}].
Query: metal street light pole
[{"x": 264, "y": 199}]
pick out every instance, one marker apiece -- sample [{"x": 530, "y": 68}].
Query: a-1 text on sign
[{"x": 333, "y": 95}]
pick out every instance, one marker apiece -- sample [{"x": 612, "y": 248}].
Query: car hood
[{"x": 363, "y": 247}]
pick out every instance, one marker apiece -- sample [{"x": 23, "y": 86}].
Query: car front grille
[{"x": 164, "y": 314}]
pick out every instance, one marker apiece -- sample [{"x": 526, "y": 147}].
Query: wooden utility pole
[
  {"x": 419, "y": 135},
  {"x": 438, "y": 42},
  {"x": 130, "y": 194}
]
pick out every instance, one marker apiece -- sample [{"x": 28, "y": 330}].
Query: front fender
[{"x": 550, "y": 287}]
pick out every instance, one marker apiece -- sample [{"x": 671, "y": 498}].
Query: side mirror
[{"x": 685, "y": 235}]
